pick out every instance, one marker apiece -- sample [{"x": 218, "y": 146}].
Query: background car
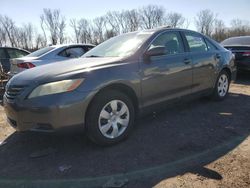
[
  {"x": 7, "y": 53},
  {"x": 240, "y": 46},
  {"x": 48, "y": 55},
  {"x": 120, "y": 78}
]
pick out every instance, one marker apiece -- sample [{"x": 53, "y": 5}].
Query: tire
[
  {"x": 221, "y": 87},
  {"x": 110, "y": 117}
]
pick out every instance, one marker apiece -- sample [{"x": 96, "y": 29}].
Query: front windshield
[
  {"x": 120, "y": 46},
  {"x": 40, "y": 52}
]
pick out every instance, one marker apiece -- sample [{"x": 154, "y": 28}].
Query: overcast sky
[{"x": 24, "y": 11}]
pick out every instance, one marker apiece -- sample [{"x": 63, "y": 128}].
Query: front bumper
[{"x": 48, "y": 112}]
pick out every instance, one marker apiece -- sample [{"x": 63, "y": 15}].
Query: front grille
[{"x": 13, "y": 91}]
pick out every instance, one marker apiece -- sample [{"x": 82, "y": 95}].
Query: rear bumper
[
  {"x": 48, "y": 112},
  {"x": 243, "y": 65},
  {"x": 233, "y": 74}
]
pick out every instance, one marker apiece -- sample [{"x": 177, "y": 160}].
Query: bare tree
[
  {"x": 61, "y": 30},
  {"x": 114, "y": 21},
  {"x": 3, "y": 37},
  {"x": 26, "y": 33},
  {"x": 151, "y": 16},
  {"x": 131, "y": 20},
  {"x": 99, "y": 27},
  {"x": 84, "y": 27},
  {"x": 15, "y": 36},
  {"x": 42, "y": 25},
  {"x": 8, "y": 27},
  {"x": 175, "y": 19},
  {"x": 82, "y": 30},
  {"x": 205, "y": 21},
  {"x": 53, "y": 26},
  {"x": 54, "y": 22},
  {"x": 109, "y": 34},
  {"x": 39, "y": 41},
  {"x": 239, "y": 27},
  {"x": 220, "y": 30},
  {"x": 74, "y": 25}
]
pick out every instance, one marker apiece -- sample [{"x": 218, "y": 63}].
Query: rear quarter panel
[{"x": 227, "y": 61}]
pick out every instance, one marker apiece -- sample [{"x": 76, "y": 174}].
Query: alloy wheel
[
  {"x": 222, "y": 85},
  {"x": 113, "y": 119}
]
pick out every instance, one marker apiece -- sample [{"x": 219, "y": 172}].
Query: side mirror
[{"x": 155, "y": 51}]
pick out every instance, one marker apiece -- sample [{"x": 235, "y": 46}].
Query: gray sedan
[
  {"x": 48, "y": 55},
  {"x": 117, "y": 80}
]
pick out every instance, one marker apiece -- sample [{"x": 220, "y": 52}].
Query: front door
[{"x": 169, "y": 75}]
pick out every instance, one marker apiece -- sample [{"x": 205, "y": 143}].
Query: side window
[
  {"x": 23, "y": 53},
  {"x": 196, "y": 42},
  {"x": 210, "y": 46},
  {"x": 13, "y": 53},
  {"x": 88, "y": 48},
  {"x": 171, "y": 41},
  {"x": 2, "y": 54},
  {"x": 72, "y": 52}
]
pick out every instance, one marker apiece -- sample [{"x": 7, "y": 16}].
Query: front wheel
[
  {"x": 222, "y": 86},
  {"x": 110, "y": 117}
]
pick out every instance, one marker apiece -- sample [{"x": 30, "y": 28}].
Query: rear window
[
  {"x": 41, "y": 52},
  {"x": 14, "y": 53},
  {"x": 210, "y": 46},
  {"x": 73, "y": 52},
  {"x": 236, "y": 41},
  {"x": 196, "y": 42},
  {"x": 89, "y": 47}
]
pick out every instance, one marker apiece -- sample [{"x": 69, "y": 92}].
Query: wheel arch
[
  {"x": 228, "y": 70},
  {"x": 118, "y": 87}
]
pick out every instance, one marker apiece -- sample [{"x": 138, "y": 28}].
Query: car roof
[
  {"x": 162, "y": 29},
  {"x": 167, "y": 28},
  {"x": 239, "y": 37},
  {"x": 69, "y": 45},
  {"x": 237, "y": 41},
  {"x": 6, "y": 47}
]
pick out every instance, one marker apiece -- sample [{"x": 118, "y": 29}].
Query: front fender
[{"x": 126, "y": 74}]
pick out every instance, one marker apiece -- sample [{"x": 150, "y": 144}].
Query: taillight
[
  {"x": 26, "y": 65},
  {"x": 246, "y": 54}
]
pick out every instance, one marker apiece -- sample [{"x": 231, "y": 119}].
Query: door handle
[{"x": 187, "y": 61}]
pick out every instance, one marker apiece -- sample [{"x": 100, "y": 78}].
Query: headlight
[{"x": 55, "y": 87}]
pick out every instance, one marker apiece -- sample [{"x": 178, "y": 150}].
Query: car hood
[{"x": 64, "y": 68}]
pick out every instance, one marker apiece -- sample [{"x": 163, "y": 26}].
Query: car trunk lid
[{"x": 14, "y": 68}]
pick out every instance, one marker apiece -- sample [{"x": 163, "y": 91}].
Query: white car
[{"x": 48, "y": 55}]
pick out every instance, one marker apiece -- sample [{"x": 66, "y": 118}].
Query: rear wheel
[
  {"x": 222, "y": 86},
  {"x": 110, "y": 117}
]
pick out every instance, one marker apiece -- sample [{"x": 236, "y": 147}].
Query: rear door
[
  {"x": 204, "y": 61},
  {"x": 167, "y": 76}
]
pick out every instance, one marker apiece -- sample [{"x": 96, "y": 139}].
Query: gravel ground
[{"x": 200, "y": 143}]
